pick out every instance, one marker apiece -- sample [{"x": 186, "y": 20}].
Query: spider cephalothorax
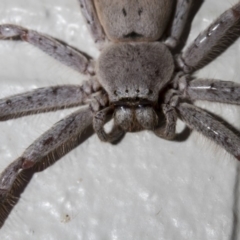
[{"x": 133, "y": 74}]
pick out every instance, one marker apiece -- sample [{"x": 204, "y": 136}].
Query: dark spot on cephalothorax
[
  {"x": 115, "y": 93},
  {"x": 124, "y": 12},
  {"x": 9, "y": 102},
  {"x": 48, "y": 141},
  {"x": 70, "y": 54},
  {"x": 137, "y": 91},
  {"x": 29, "y": 98},
  {"x": 157, "y": 73},
  {"x": 126, "y": 91},
  {"x": 127, "y": 69},
  {"x": 55, "y": 47},
  {"x": 81, "y": 5},
  {"x": 140, "y": 10}
]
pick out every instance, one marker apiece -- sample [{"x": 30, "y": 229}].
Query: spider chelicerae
[{"x": 126, "y": 104}]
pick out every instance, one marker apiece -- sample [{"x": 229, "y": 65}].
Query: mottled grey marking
[
  {"x": 47, "y": 99},
  {"x": 168, "y": 131},
  {"x": 58, "y": 50},
  {"x": 67, "y": 128},
  {"x": 201, "y": 121},
  {"x": 214, "y": 90},
  {"x": 180, "y": 17},
  {"x": 192, "y": 58},
  {"x": 90, "y": 15}
]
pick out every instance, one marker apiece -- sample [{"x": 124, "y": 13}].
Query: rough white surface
[{"x": 143, "y": 188}]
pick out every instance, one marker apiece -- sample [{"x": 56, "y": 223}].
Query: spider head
[
  {"x": 129, "y": 20},
  {"x": 133, "y": 74}
]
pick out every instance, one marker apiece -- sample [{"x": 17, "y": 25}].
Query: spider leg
[
  {"x": 90, "y": 14},
  {"x": 99, "y": 120},
  {"x": 209, "y": 126},
  {"x": 210, "y": 90},
  {"x": 179, "y": 22},
  {"x": 211, "y": 41},
  {"x": 53, "y": 47},
  {"x": 47, "y": 99},
  {"x": 169, "y": 130},
  {"x": 64, "y": 130}
]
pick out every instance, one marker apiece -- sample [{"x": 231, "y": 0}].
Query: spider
[{"x": 134, "y": 103}]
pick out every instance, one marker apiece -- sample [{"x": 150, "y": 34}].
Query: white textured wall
[{"x": 143, "y": 188}]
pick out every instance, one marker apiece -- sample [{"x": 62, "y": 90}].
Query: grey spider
[{"x": 135, "y": 101}]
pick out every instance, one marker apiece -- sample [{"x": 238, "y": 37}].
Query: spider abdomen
[{"x": 142, "y": 20}]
